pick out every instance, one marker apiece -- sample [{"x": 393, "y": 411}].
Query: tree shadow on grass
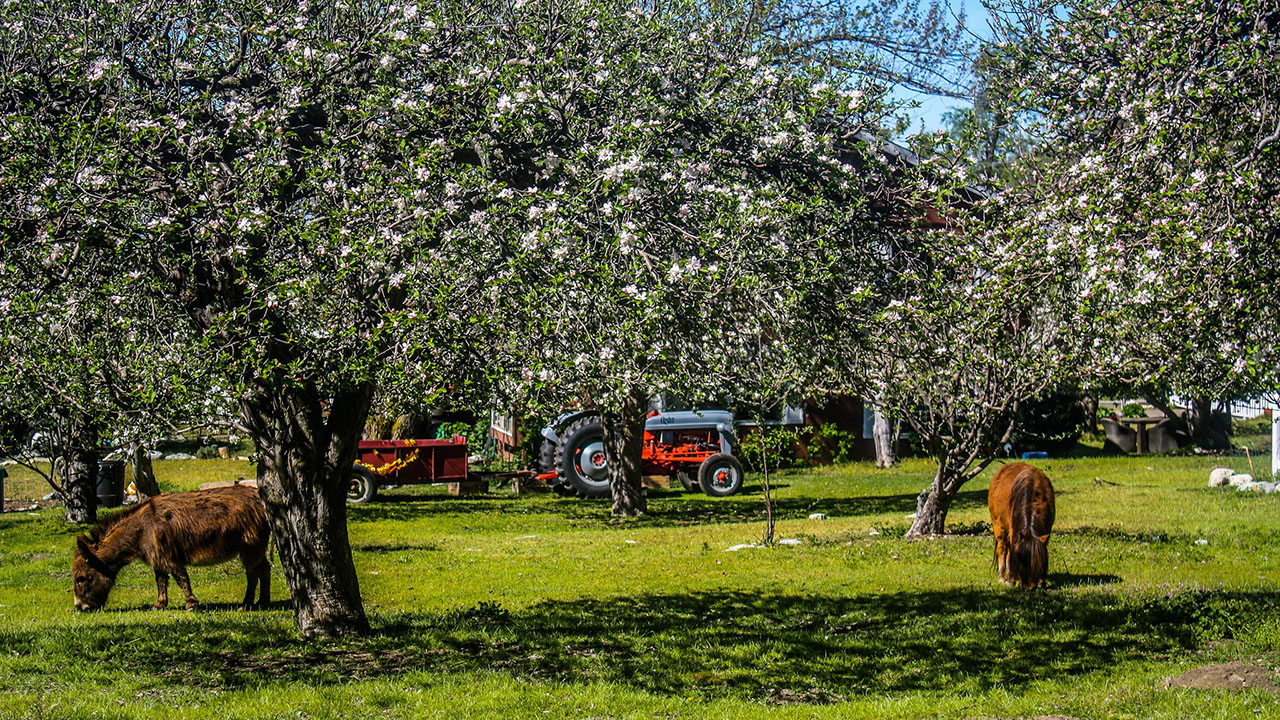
[
  {"x": 1066, "y": 580},
  {"x": 667, "y": 508},
  {"x": 711, "y": 644}
]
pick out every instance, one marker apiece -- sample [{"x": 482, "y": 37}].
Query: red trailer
[{"x": 406, "y": 462}]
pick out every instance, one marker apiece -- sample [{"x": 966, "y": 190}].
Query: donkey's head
[{"x": 93, "y": 579}]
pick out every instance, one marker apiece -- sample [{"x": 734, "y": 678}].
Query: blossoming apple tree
[
  {"x": 691, "y": 193},
  {"x": 1162, "y": 180}
]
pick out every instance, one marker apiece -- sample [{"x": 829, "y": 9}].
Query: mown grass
[{"x": 498, "y": 606}]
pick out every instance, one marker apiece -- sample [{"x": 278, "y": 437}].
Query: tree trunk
[
  {"x": 623, "y": 442},
  {"x": 934, "y": 502},
  {"x": 885, "y": 442},
  {"x": 1090, "y": 404},
  {"x": 80, "y": 482},
  {"x": 1206, "y": 432},
  {"x": 143, "y": 475},
  {"x": 303, "y": 476}
]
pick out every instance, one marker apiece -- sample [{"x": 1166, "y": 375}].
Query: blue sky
[{"x": 932, "y": 107}]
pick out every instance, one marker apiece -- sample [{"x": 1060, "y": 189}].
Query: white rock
[
  {"x": 818, "y": 516},
  {"x": 789, "y": 541},
  {"x": 631, "y": 542},
  {"x": 155, "y": 455},
  {"x": 874, "y": 532},
  {"x": 912, "y": 516},
  {"x": 180, "y": 456},
  {"x": 744, "y": 546},
  {"x": 1219, "y": 476},
  {"x": 1202, "y": 541},
  {"x": 1239, "y": 479}
]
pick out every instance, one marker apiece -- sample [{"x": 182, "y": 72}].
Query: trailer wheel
[
  {"x": 720, "y": 475},
  {"x": 580, "y": 459},
  {"x": 363, "y": 488},
  {"x": 688, "y": 480}
]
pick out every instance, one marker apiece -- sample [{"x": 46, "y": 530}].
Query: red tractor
[{"x": 696, "y": 447}]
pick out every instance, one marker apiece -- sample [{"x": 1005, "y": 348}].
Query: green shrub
[
  {"x": 1133, "y": 410},
  {"x": 1053, "y": 423}
]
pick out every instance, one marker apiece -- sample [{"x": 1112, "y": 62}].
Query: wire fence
[{"x": 23, "y": 486}]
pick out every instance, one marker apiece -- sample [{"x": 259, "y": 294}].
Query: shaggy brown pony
[
  {"x": 1021, "y": 504},
  {"x": 170, "y": 532}
]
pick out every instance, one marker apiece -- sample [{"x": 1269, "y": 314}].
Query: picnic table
[{"x": 1140, "y": 426}]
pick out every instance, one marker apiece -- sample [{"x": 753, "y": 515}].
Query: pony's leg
[
  {"x": 184, "y": 582},
  {"x": 1002, "y": 559},
  {"x": 162, "y": 590}
]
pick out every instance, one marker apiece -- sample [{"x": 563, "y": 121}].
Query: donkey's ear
[
  {"x": 1044, "y": 538},
  {"x": 84, "y": 547}
]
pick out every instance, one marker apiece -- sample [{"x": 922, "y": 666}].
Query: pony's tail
[{"x": 1029, "y": 559}]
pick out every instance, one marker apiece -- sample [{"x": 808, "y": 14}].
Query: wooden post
[{"x": 1275, "y": 442}]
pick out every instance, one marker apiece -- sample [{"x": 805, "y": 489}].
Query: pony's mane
[{"x": 95, "y": 534}]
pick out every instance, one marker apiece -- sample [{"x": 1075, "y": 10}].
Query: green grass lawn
[{"x": 500, "y": 607}]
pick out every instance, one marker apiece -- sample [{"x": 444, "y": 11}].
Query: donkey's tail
[{"x": 1029, "y": 561}]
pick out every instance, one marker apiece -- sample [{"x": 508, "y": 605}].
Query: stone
[
  {"x": 1229, "y": 676},
  {"x": 180, "y": 456},
  {"x": 744, "y": 546},
  {"x": 1239, "y": 479},
  {"x": 789, "y": 541},
  {"x": 1219, "y": 477},
  {"x": 818, "y": 516}
]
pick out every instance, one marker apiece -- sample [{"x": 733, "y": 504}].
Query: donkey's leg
[
  {"x": 184, "y": 582},
  {"x": 264, "y": 582},
  {"x": 162, "y": 589},
  {"x": 251, "y": 581}
]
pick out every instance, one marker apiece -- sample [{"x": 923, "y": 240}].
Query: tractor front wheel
[
  {"x": 720, "y": 475},
  {"x": 688, "y": 480}
]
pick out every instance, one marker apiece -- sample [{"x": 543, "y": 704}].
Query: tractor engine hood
[{"x": 721, "y": 420}]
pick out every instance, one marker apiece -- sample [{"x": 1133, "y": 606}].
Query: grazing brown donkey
[
  {"x": 1021, "y": 504},
  {"x": 170, "y": 532}
]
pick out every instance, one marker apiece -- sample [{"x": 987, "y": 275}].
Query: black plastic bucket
[{"x": 110, "y": 483}]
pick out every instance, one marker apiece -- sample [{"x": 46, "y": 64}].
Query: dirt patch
[
  {"x": 812, "y": 696},
  {"x": 28, "y": 505},
  {"x": 1231, "y": 676}
]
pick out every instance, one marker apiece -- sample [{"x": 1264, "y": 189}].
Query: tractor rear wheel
[
  {"x": 547, "y": 463},
  {"x": 580, "y": 459},
  {"x": 720, "y": 475}
]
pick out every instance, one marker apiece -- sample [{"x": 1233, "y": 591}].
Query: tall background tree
[{"x": 85, "y": 372}]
